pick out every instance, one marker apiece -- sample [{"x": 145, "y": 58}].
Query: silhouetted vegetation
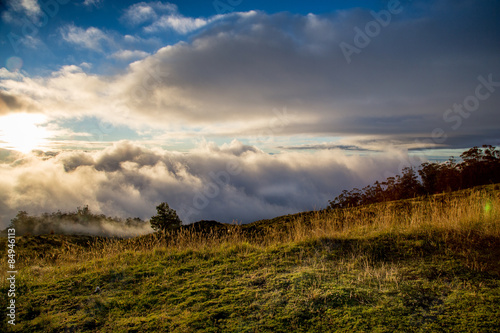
[{"x": 479, "y": 166}]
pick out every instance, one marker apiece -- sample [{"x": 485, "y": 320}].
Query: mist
[{"x": 80, "y": 222}]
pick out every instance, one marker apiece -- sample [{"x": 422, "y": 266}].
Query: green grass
[{"x": 423, "y": 265}]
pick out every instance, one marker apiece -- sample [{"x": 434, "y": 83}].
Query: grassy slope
[{"x": 413, "y": 266}]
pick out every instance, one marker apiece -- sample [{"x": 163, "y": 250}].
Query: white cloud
[
  {"x": 70, "y": 88},
  {"x": 32, "y": 42},
  {"x": 90, "y": 38},
  {"x": 19, "y": 9},
  {"x": 139, "y": 13},
  {"x": 138, "y": 43},
  {"x": 95, "y": 3},
  {"x": 31, "y": 7},
  {"x": 5, "y": 74},
  {"x": 162, "y": 16},
  {"x": 7, "y": 17},
  {"x": 142, "y": 12},
  {"x": 129, "y": 55},
  {"x": 178, "y": 23}
]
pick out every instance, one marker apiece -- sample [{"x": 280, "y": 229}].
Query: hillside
[{"x": 416, "y": 265}]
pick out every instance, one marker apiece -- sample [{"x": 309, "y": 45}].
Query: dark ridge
[{"x": 204, "y": 225}]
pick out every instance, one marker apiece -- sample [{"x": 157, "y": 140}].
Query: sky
[{"x": 235, "y": 110}]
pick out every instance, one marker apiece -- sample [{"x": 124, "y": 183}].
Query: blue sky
[
  {"x": 112, "y": 92},
  {"x": 110, "y": 17}
]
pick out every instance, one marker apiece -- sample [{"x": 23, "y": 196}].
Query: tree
[
  {"x": 480, "y": 166},
  {"x": 165, "y": 219},
  {"x": 23, "y": 223},
  {"x": 430, "y": 173},
  {"x": 409, "y": 186}
]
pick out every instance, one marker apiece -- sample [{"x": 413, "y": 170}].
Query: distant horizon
[{"x": 235, "y": 109}]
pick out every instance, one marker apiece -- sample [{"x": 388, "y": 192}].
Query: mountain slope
[{"x": 428, "y": 264}]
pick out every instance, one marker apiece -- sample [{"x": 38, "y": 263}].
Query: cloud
[
  {"x": 31, "y": 7},
  {"x": 70, "y": 88},
  {"x": 178, "y": 23},
  {"x": 327, "y": 146},
  {"x": 162, "y": 16},
  {"x": 128, "y": 55},
  {"x": 139, "y": 13},
  {"x": 9, "y": 102},
  {"x": 90, "y": 3},
  {"x": 232, "y": 73},
  {"x": 226, "y": 182},
  {"x": 28, "y": 8},
  {"x": 142, "y": 12},
  {"x": 91, "y": 38},
  {"x": 396, "y": 86},
  {"x": 15, "y": 103}
]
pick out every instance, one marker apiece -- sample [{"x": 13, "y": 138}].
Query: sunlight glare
[
  {"x": 22, "y": 132},
  {"x": 488, "y": 207}
]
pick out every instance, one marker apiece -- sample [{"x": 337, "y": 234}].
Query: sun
[{"x": 23, "y": 132}]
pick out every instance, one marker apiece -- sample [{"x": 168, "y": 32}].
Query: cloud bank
[{"x": 225, "y": 183}]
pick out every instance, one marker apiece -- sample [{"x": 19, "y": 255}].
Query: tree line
[{"x": 478, "y": 166}]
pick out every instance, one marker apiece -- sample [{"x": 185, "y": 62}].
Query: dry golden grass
[{"x": 462, "y": 214}]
